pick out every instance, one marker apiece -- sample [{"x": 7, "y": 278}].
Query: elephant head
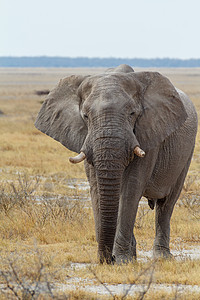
[{"x": 106, "y": 118}]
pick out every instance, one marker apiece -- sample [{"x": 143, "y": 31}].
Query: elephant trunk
[
  {"x": 109, "y": 193},
  {"x": 109, "y": 165}
]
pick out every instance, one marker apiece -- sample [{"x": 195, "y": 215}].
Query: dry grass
[{"x": 43, "y": 229}]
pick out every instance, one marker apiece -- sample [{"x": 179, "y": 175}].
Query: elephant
[{"x": 136, "y": 134}]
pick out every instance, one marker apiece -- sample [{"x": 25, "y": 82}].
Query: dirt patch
[{"x": 124, "y": 289}]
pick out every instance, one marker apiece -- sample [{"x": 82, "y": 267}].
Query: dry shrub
[
  {"x": 25, "y": 213},
  {"x": 14, "y": 195},
  {"x": 190, "y": 198},
  {"x": 28, "y": 277},
  {"x": 7, "y": 200},
  {"x": 42, "y": 92},
  {"x": 191, "y": 201}
]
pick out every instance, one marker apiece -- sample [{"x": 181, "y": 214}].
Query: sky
[{"x": 103, "y": 28}]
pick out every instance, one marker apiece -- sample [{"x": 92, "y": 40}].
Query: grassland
[{"x": 47, "y": 237}]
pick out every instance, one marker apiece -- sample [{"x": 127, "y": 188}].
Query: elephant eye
[
  {"x": 85, "y": 116},
  {"x": 132, "y": 113}
]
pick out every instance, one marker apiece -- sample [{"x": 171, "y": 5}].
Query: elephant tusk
[
  {"x": 77, "y": 159},
  {"x": 139, "y": 152}
]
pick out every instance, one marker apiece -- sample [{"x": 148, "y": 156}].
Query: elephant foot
[
  {"x": 106, "y": 260},
  {"x": 105, "y": 256},
  {"x": 162, "y": 252},
  {"x": 123, "y": 259},
  {"x": 124, "y": 251}
]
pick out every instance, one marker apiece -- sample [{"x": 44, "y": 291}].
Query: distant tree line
[{"x": 46, "y": 61}]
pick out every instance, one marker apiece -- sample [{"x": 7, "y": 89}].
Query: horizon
[{"x": 73, "y": 62}]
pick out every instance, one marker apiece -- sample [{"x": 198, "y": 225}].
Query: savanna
[{"x": 47, "y": 235}]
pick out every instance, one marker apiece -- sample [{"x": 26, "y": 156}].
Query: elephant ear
[
  {"x": 163, "y": 110},
  {"x": 59, "y": 116}
]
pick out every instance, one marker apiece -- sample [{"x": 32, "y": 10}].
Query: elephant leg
[
  {"x": 164, "y": 209},
  {"x": 91, "y": 175},
  {"x": 133, "y": 187},
  {"x": 124, "y": 249},
  {"x": 162, "y": 225}
]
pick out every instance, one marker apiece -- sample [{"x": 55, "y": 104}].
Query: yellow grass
[{"x": 40, "y": 222}]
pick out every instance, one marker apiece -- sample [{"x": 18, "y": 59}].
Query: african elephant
[{"x": 137, "y": 133}]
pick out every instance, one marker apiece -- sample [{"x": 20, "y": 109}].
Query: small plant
[
  {"x": 191, "y": 201},
  {"x": 7, "y": 200},
  {"x": 190, "y": 198},
  {"x": 189, "y": 181},
  {"x": 23, "y": 282},
  {"x": 25, "y": 188}
]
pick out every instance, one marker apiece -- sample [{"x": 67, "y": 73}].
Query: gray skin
[{"x": 106, "y": 116}]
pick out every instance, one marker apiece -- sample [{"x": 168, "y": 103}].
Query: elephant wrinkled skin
[{"x": 136, "y": 132}]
